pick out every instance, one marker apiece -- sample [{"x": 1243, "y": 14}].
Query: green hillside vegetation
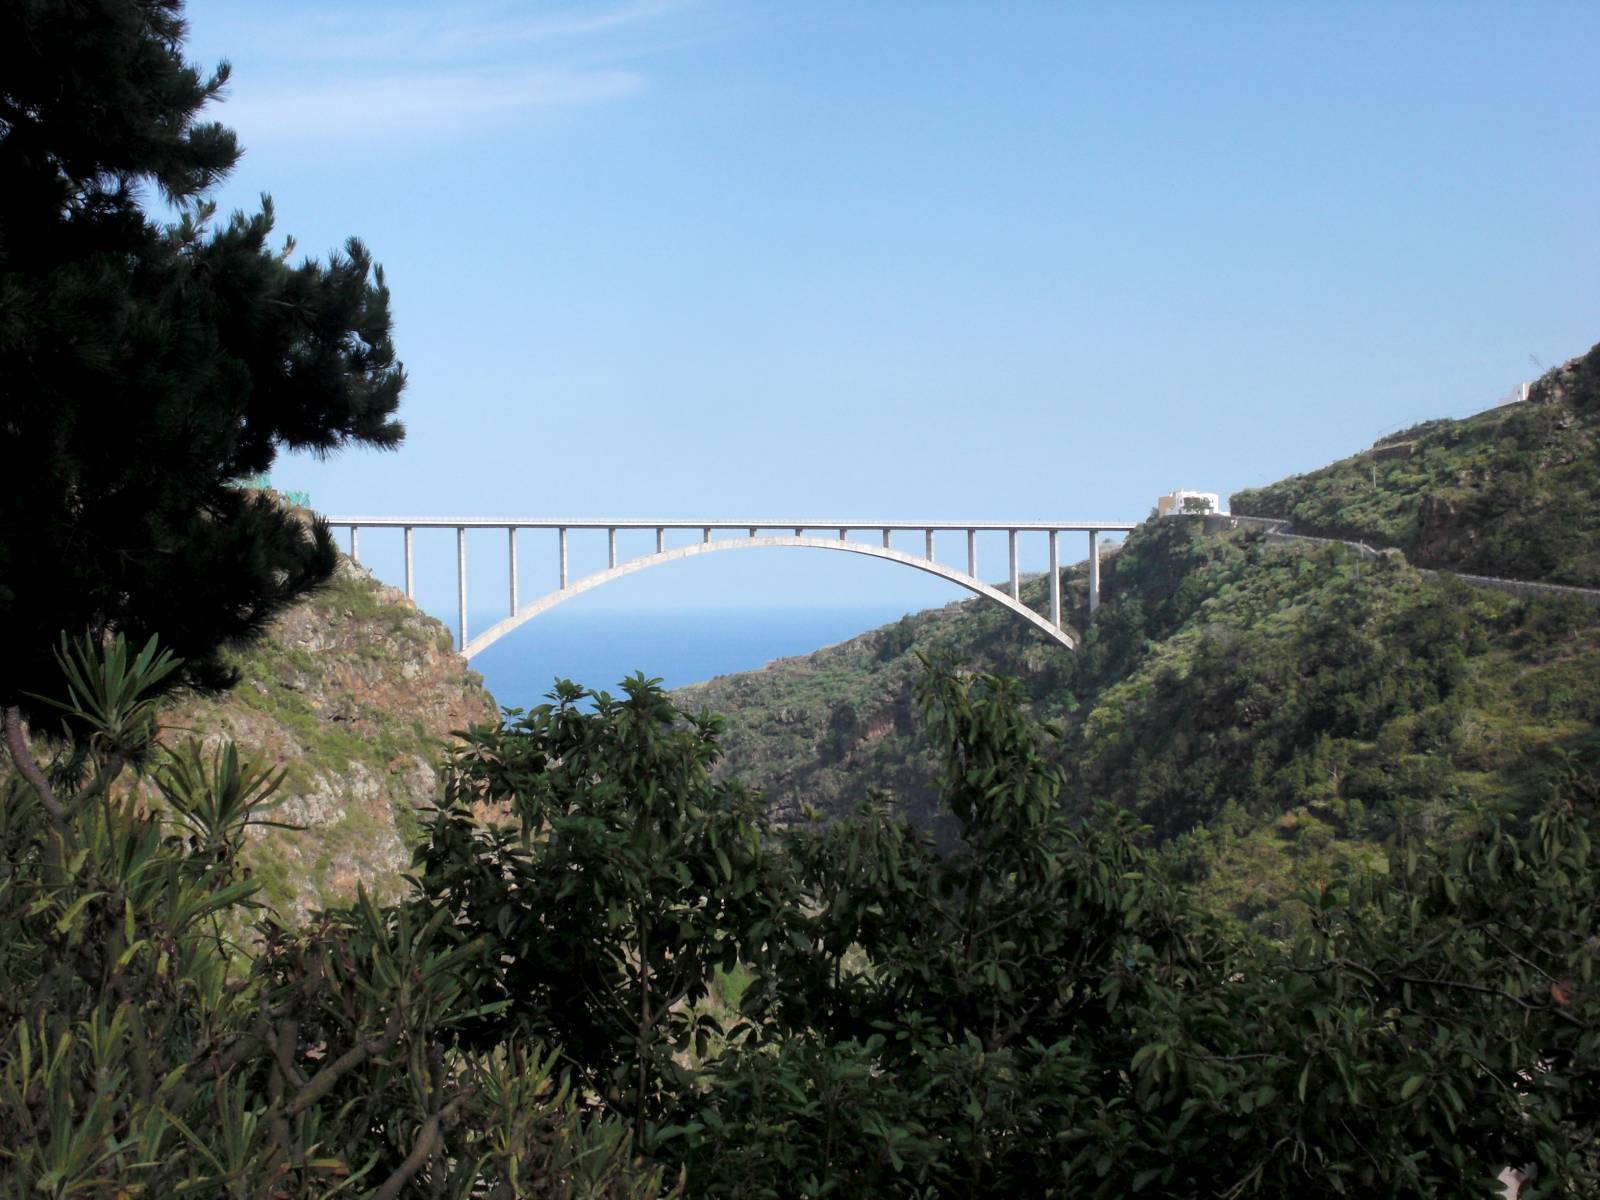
[
  {"x": 1138, "y": 938},
  {"x": 1286, "y": 881},
  {"x": 1511, "y": 492},
  {"x": 1274, "y": 709},
  {"x": 1039, "y": 1008},
  {"x": 1266, "y": 706},
  {"x": 819, "y": 731},
  {"x": 353, "y": 693}
]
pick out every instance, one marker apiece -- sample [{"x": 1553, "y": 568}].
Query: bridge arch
[{"x": 549, "y": 600}]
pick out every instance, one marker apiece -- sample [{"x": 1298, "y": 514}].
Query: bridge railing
[{"x": 747, "y": 528}]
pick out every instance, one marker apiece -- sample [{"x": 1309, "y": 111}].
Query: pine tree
[{"x": 147, "y": 367}]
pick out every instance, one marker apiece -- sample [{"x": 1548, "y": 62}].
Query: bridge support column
[
  {"x": 927, "y": 541},
  {"x": 611, "y": 547},
  {"x": 661, "y": 539},
  {"x": 562, "y": 539},
  {"x": 461, "y": 590},
  {"x": 355, "y": 544},
  {"x": 511, "y": 546},
  {"x": 972, "y": 553},
  {"x": 886, "y": 539},
  {"x": 705, "y": 535},
  {"x": 408, "y": 562},
  {"x": 1055, "y": 578},
  {"x": 1094, "y": 570},
  {"x": 1016, "y": 580},
  {"x": 844, "y": 535},
  {"x": 752, "y": 531}
]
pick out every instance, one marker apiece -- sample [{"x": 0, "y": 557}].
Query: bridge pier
[
  {"x": 511, "y": 540},
  {"x": 562, "y": 539},
  {"x": 1016, "y": 579},
  {"x": 1055, "y": 578},
  {"x": 355, "y": 544},
  {"x": 461, "y": 589},
  {"x": 1094, "y": 571},
  {"x": 972, "y": 553},
  {"x": 408, "y": 563},
  {"x": 611, "y": 547}
]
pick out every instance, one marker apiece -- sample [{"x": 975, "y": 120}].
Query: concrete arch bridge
[{"x": 717, "y": 536}]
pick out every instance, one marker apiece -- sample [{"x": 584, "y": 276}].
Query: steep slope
[
  {"x": 822, "y": 729},
  {"x": 1264, "y": 707},
  {"x": 1512, "y": 492},
  {"x": 354, "y": 692},
  {"x": 1284, "y": 701}
]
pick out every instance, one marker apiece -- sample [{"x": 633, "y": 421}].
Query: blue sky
[{"x": 1000, "y": 261}]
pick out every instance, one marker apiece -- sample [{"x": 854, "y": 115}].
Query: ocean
[{"x": 600, "y": 648}]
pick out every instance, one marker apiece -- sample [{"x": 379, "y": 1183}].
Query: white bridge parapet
[{"x": 750, "y": 534}]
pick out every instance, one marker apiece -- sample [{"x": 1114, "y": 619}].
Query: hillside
[
  {"x": 1512, "y": 492},
  {"x": 1264, "y": 707},
  {"x": 354, "y": 692},
  {"x": 820, "y": 729}
]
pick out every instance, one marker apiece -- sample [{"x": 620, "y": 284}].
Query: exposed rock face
[
  {"x": 1575, "y": 384},
  {"x": 354, "y": 692}
]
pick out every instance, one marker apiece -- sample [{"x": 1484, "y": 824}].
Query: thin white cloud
[
  {"x": 435, "y": 69},
  {"x": 429, "y": 35},
  {"x": 423, "y": 103}
]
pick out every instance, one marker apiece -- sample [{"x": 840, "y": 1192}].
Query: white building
[{"x": 1180, "y": 501}]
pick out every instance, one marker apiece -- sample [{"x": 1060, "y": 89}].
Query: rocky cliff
[{"x": 354, "y": 692}]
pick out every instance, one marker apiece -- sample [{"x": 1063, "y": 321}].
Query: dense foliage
[
  {"x": 163, "y": 1035},
  {"x": 1268, "y": 702},
  {"x": 145, "y": 367},
  {"x": 612, "y": 975},
  {"x": 1268, "y": 705},
  {"x": 609, "y": 951},
  {"x": 1510, "y": 492},
  {"x": 1288, "y": 677},
  {"x": 628, "y": 880},
  {"x": 1042, "y": 1009}
]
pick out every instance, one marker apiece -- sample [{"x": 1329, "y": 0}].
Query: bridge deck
[
  {"x": 751, "y": 533},
  {"x": 719, "y": 523}
]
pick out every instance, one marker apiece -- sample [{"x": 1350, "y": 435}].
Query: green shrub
[{"x": 162, "y": 1034}]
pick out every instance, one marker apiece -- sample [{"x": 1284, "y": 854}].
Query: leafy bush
[
  {"x": 629, "y": 879},
  {"x": 162, "y": 1035},
  {"x": 1040, "y": 1008}
]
